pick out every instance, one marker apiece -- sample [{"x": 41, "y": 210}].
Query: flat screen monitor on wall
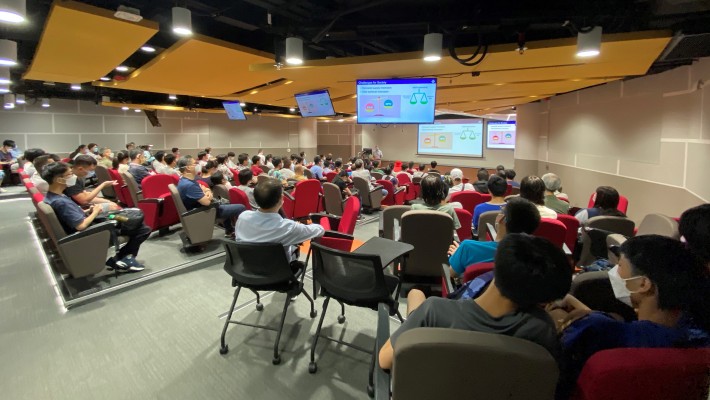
[
  {"x": 396, "y": 101},
  {"x": 500, "y": 134},
  {"x": 315, "y": 104},
  {"x": 234, "y": 110},
  {"x": 451, "y": 137}
]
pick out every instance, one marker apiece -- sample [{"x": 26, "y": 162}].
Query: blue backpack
[{"x": 473, "y": 288}]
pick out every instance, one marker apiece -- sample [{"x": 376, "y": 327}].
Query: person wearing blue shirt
[
  {"x": 497, "y": 187},
  {"x": 317, "y": 168},
  {"x": 518, "y": 216},
  {"x": 59, "y": 176},
  {"x": 663, "y": 282},
  {"x": 136, "y": 167},
  {"x": 194, "y": 195}
]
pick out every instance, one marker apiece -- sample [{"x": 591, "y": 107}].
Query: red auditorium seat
[
  {"x": 469, "y": 199},
  {"x": 394, "y": 197},
  {"x": 623, "y": 202},
  {"x": 466, "y": 219},
  {"x": 237, "y": 196},
  {"x": 304, "y": 200},
  {"x": 509, "y": 190},
  {"x": 475, "y": 270},
  {"x": 330, "y": 176},
  {"x": 397, "y": 166},
  {"x": 156, "y": 187},
  {"x": 124, "y": 196},
  {"x": 403, "y": 180},
  {"x": 552, "y": 230},
  {"x": 572, "y": 225}
]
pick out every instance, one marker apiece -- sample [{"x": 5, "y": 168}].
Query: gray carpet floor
[{"x": 161, "y": 340}]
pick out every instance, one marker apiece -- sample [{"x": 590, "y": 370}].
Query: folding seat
[
  {"x": 333, "y": 199},
  {"x": 376, "y": 175},
  {"x": 403, "y": 180},
  {"x": 197, "y": 224},
  {"x": 120, "y": 188},
  {"x": 237, "y": 196},
  {"x": 103, "y": 175},
  {"x": 469, "y": 199},
  {"x": 552, "y": 230},
  {"x": 391, "y": 221},
  {"x": 307, "y": 173},
  {"x": 465, "y": 219},
  {"x": 303, "y": 200},
  {"x": 371, "y": 198},
  {"x": 431, "y": 234},
  {"x": 330, "y": 176},
  {"x": 572, "y": 225},
  {"x": 623, "y": 205},
  {"x": 488, "y": 217},
  {"x": 152, "y": 208},
  {"x": 594, "y": 235},
  {"x": 395, "y": 197}
]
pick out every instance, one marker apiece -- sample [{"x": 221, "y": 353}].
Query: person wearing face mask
[
  {"x": 73, "y": 219},
  {"x": 667, "y": 286},
  {"x": 83, "y": 166},
  {"x": 92, "y": 149}
]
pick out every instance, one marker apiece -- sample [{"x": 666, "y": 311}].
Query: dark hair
[
  {"x": 269, "y": 157},
  {"x": 208, "y": 150},
  {"x": 483, "y": 174},
  {"x": 500, "y": 173},
  {"x": 343, "y": 173},
  {"x": 411, "y": 164},
  {"x": 230, "y": 154},
  {"x": 120, "y": 157},
  {"x": 530, "y": 270},
  {"x": 680, "y": 278},
  {"x": 241, "y": 158},
  {"x": 8, "y": 143},
  {"x": 433, "y": 164},
  {"x": 169, "y": 158},
  {"x": 277, "y": 161},
  {"x": 500, "y": 167},
  {"x": 510, "y": 174},
  {"x": 298, "y": 160},
  {"x": 287, "y": 162},
  {"x": 268, "y": 193},
  {"x": 497, "y": 186},
  {"x": 221, "y": 159},
  {"x": 375, "y": 163},
  {"x": 129, "y": 144},
  {"x": 533, "y": 189},
  {"x": 338, "y": 163},
  {"x": 255, "y": 159},
  {"x": 40, "y": 162},
  {"x": 217, "y": 178},
  {"x": 433, "y": 190},
  {"x": 31, "y": 154},
  {"x": 303, "y": 153},
  {"x": 55, "y": 157},
  {"x": 606, "y": 198},
  {"x": 387, "y": 171},
  {"x": 316, "y": 160},
  {"x": 422, "y": 167},
  {"x": 52, "y": 171},
  {"x": 245, "y": 176},
  {"x": 208, "y": 166},
  {"x": 201, "y": 155},
  {"x": 183, "y": 162},
  {"x": 91, "y": 146},
  {"x": 694, "y": 226},
  {"x": 521, "y": 216},
  {"x": 77, "y": 151},
  {"x": 174, "y": 149},
  {"x": 133, "y": 154},
  {"x": 84, "y": 160},
  {"x": 160, "y": 155}
]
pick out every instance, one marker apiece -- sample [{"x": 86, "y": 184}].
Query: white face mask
[
  {"x": 110, "y": 155},
  {"x": 71, "y": 181},
  {"x": 618, "y": 285}
]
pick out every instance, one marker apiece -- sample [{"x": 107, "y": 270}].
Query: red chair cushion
[{"x": 552, "y": 230}]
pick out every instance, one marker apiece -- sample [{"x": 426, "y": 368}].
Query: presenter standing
[{"x": 377, "y": 154}]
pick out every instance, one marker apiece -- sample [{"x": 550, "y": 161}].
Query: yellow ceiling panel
[
  {"x": 81, "y": 43},
  {"x": 199, "y": 66}
]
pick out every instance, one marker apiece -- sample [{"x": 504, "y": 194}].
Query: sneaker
[
  {"x": 132, "y": 265},
  {"x": 112, "y": 264}
]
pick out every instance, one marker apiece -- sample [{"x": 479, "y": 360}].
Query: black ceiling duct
[{"x": 153, "y": 118}]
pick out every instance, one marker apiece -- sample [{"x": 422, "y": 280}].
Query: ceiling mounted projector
[{"x": 128, "y": 13}]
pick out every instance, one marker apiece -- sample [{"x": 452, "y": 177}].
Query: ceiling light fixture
[
  {"x": 122, "y": 68},
  {"x": 243, "y": 104},
  {"x": 137, "y": 110},
  {"x": 148, "y": 49},
  {"x": 8, "y": 52},
  {"x": 182, "y": 21},
  {"x": 292, "y": 109},
  {"x": 172, "y": 97},
  {"x": 432, "y": 46},
  {"x": 20, "y": 99},
  {"x": 294, "y": 51},
  {"x": 254, "y": 92},
  {"x": 45, "y": 102},
  {"x": 105, "y": 78},
  {"x": 124, "y": 108},
  {"x": 5, "y": 75},
  {"x": 4, "y": 88},
  {"x": 9, "y": 100},
  {"x": 288, "y": 82},
  {"x": 76, "y": 86},
  {"x": 589, "y": 42},
  {"x": 128, "y": 13},
  {"x": 13, "y": 11}
]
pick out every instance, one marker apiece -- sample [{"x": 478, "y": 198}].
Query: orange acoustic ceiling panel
[
  {"x": 199, "y": 66},
  {"x": 81, "y": 43}
]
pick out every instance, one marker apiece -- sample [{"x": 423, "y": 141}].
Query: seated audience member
[
  {"x": 242, "y": 161},
  {"x": 230, "y": 160},
  {"x": 317, "y": 168},
  {"x": 606, "y": 201},
  {"x": 59, "y": 176},
  {"x": 341, "y": 181},
  {"x": 7, "y": 159},
  {"x": 170, "y": 166},
  {"x": 533, "y": 189},
  {"x": 147, "y": 155},
  {"x": 207, "y": 171},
  {"x": 30, "y": 156},
  {"x": 93, "y": 150},
  {"x": 176, "y": 152},
  {"x": 296, "y": 162},
  {"x": 81, "y": 149},
  {"x": 208, "y": 150},
  {"x": 497, "y": 187},
  {"x": 275, "y": 171},
  {"x": 220, "y": 187},
  {"x": 434, "y": 196},
  {"x": 269, "y": 161},
  {"x": 376, "y": 167},
  {"x": 262, "y": 157},
  {"x": 286, "y": 171},
  {"x": 256, "y": 165},
  {"x": 120, "y": 162},
  {"x": 458, "y": 186},
  {"x": 194, "y": 195},
  {"x": 266, "y": 225},
  {"x": 36, "y": 178},
  {"x": 481, "y": 185},
  {"x": 158, "y": 161},
  {"x": 130, "y": 146},
  {"x": 553, "y": 184},
  {"x": 83, "y": 165},
  {"x": 106, "y": 159},
  {"x": 694, "y": 229},
  {"x": 410, "y": 169},
  {"x": 518, "y": 216},
  {"x": 202, "y": 158},
  {"x": 510, "y": 177},
  {"x": 387, "y": 175},
  {"x": 500, "y": 168},
  {"x": 328, "y": 166},
  {"x": 529, "y": 271},
  {"x": 136, "y": 167},
  {"x": 432, "y": 167},
  {"x": 245, "y": 177},
  {"x": 666, "y": 285},
  {"x": 361, "y": 172},
  {"x": 419, "y": 173},
  {"x": 298, "y": 176},
  {"x": 223, "y": 167}
]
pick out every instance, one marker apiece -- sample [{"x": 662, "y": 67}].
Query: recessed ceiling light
[
  {"x": 148, "y": 49},
  {"x": 243, "y": 104},
  {"x": 254, "y": 92},
  {"x": 8, "y": 52},
  {"x": 45, "y": 102},
  {"x": 172, "y": 97},
  {"x": 137, "y": 110},
  {"x": 288, "y": 82},
  {"x": 76, "y": 86},
  {"x": 4, "y": 88},
  {"x": 124, "y": 108},
  {"x": 327, "y": 120},
  {"x": 105, "y": 78},
  {"x": 341, "y": 120},
  {"x": 121, "y": 68},
  {"x": 354, "y": 96},
  {"x": 13, "y": 11},
  {"x": 589, "y": 42},
  {"x": 292, "y": 109},
  {"x": 20, "y": 99}
]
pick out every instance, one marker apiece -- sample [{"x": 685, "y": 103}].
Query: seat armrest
[
  {"x": 156, "y": 201},
  {"x": 446, "y": 274},
  {"x": 492, "y": 232},
  {"x": 198, "y": 210},
  {"x": 91, "y": 230},
  {"x": 338, "y": 235},
  {"x": 289, "y": 196},
  {"x": 401, "y": 189},
  {"x": 382, "y": 377},
  {"x": 334, "y": 220}
]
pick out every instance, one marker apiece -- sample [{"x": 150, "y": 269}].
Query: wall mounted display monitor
[
  {"x": 396, "y": 101},
  {"x": 234, "y": 110},
  {"x": 500, "y": 134},
  {"x": 451, "y": 137},
  {"x": 315, "y": 104}
]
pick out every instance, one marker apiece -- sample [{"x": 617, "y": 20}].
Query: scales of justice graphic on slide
[
  {"x": 390, "y": 106},
  {"x": 499, "y": 137},
  {"x": 438, "y": 140}
]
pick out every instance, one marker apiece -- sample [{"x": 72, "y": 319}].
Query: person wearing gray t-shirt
[{"x": 529, "y": 272}]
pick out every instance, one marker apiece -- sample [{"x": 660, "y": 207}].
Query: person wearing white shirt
[
  {"x": 533, "y": 188},
  {"x": 266, "y": 225},
  {"x": 261, "y": 155},
  {"x": 377, "y": 153},
  {"x": 170, "y": 166},
  {"x": 459, "y": 186},
  {"x": 245, "y": 176},
  {"x": 36, "y": 179},
  {"x": 361, "y": 172},
  {"x": 30, "y": 156}
]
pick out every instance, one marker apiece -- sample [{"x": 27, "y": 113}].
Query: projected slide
[
  {"x": 501, "y": 134},
  {"x": 315, "y": 104},
  {"x": 453, "y": 137},
  {"x": 396, "y": 101}
]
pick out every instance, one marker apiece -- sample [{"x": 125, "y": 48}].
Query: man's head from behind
[
  {"x": 530, "y": 270},
  {"x": 694, "y": 228},
  {"x": 433, "y": 190},
  {"x": 483, "y": 174},
  {"x": 552, "y": 182},
  {"x": 31, "y": 154},
  {"x": 497, "y": 186},
  {"x": 268, "y": 195},
  {"x": 83, "y": 164},
  {"x": 136, "y": 156},
  {"x": 456, "y": 175},
  {"x": 245, "y": 176},
  {"x": 433, "y": 164},
  {"x": 519, "y": 216}
]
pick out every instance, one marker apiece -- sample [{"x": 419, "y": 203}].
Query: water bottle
[{"x": 119, "y": 218}]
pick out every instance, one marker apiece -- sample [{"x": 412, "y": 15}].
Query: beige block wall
[
  {"x": 341, "y": 139},
  {"x": 649, "y": 137}
]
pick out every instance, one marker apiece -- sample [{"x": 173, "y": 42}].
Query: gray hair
[
  {"x": 183, "y": 162},
  {"x": 552, "y": 182}
]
